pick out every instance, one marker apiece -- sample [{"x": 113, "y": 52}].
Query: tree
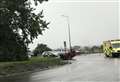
[
  {"x": 96, "y": 49},
  {"x": 18, "y": 27},
  {"x": 87, "y": 50},
  {"x": 40, "y": 49}
]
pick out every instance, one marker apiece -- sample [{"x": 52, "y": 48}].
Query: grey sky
[{"x": 91, "y": 22}]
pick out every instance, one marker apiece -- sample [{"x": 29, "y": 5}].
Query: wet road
[{"x": 84, "y": 68}]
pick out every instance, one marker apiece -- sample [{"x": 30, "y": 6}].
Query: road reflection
[{"x": 88, "y": 68}]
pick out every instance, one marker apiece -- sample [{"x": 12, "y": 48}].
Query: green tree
[
  {"x": 96, "y": 49},
  {"x": 40, "y": 49},
  {"x": 18, "y": 27}
]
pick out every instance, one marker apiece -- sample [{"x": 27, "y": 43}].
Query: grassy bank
[{"x": 35, "y": 63}]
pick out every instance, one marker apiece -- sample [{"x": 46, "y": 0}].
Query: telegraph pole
[{"x": 68, "y": 22}]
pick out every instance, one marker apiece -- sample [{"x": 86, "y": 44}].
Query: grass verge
[{"x": 35, "y": 63}]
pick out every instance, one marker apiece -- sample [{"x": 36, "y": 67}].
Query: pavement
[{"x": 83, "y": 68}]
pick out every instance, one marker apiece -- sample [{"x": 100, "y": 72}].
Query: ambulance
[{"x": 111, "y": 48}]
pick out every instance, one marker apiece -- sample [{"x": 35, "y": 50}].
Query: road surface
[{"x": 84, "y": 68}]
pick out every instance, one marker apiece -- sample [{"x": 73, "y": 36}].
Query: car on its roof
[{"x": 50, "y": 54}]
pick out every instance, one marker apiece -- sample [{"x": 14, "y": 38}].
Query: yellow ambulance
[{"x": 111, "y": 48}]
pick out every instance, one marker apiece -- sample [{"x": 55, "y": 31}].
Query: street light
[{"x": 67, "y": 17}]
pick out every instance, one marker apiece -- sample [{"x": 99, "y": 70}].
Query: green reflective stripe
[{"x": 108, "y": 51}]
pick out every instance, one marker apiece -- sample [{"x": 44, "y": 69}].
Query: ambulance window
[{"x": 116, "y": 45}]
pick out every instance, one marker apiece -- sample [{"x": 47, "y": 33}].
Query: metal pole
[
  {"x": 68, "y": 31},
  {"x": 69, "y": 34}
]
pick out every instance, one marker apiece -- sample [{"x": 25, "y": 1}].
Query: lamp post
[{"x": 67, "y": 17}]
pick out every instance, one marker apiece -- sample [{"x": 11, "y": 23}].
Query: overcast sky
[{"x": 91, "y": 22}]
